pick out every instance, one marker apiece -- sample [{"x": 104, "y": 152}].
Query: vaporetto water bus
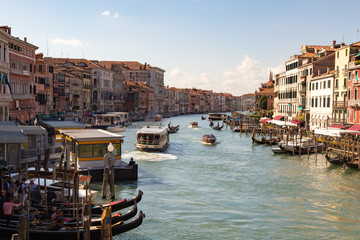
[{"x": 152, "y": 138}]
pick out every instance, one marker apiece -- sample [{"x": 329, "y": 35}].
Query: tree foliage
[{"x": 263, "y": 102}]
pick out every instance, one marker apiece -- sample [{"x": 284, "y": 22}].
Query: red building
[
  {"x": 266, "y": 89},
  {"x": 22, "y": 66},
  {"x": 354, "y": 89}
]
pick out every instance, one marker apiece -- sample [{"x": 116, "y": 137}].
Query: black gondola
[
  {"x": 351, "y": 163},
  {"x": 173, "y": 129},
  {"x": 203, "y": 118},
  {"x": 261, "y": 141},
  {"x": 71, "y": 233},
  {"x": 338, "y": 160}
]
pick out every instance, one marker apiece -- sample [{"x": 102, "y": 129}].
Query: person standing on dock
[{"x": 8, "y": 209}]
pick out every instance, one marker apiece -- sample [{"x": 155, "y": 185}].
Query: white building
[{"x": 321, "y": 105}]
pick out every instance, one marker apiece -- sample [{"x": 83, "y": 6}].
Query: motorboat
[{"x": 152, "y": 138}]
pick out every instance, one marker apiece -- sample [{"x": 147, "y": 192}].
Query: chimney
[
  {"x": 319, "y": 72},
  {"x": 333, "y": 44},
  {"x": 25, "y": 39},
  {"x": 327, "y": 70},
  {"x": 342, "y": 44}
]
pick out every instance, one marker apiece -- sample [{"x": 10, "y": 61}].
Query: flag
[{"x": 7, "y": 82}]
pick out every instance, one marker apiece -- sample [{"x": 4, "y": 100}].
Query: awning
[
  {"x": 54, "y": 115},
  {"x": 44, "y": 116},
  {"x": 354, "y": 128},
  {"x": 358, "y": 54},
  {"x": 265, "y": 120},
  {"x": 282, "y": 123},
  {"x": 328, "y": 132},
  {"x": 278, "y": 117},
  {"x": 336, "y": 126},
  {"x": 296, "y": 121}
]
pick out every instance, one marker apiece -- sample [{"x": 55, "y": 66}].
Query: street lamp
[{"x": 110, "y": 148}]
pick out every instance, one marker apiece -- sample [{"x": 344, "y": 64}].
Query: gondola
[
  {"x": 116, "y": 206},
  {"x": 71, "y": 233},
  {"x": 218, "y": 127},
  {"x": 211, "y": 124},
  {"x": 337, "y": 160},
  {"x": 97, "y": 208},
  {"x": 303, "y": 150},
  {"x": 272, "y": 141},
  {"x": 203, "y": 118},
  {"x": 173, "y": 129},
  {"x": 95, "y": 220},
  {"x": 351, "y": 163},
  {"x": 261, "y": 141}
]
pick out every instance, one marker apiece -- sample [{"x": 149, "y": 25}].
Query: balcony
[
  {"x": 355, "y": 103},
  {"x": 302, "y": 92},
  {"x": 76, "y": 96},
  {"x": 354, "y": 64},
  {"x": 22, "y": 96},
  {"x": 339, "y": 105},
  {"x": 5, "y": 97},
  {"x": 20, "y": 72}
]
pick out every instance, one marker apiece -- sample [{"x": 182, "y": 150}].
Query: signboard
[{"x": 300, "y": 108}]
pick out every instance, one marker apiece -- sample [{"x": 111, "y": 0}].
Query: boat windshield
[{"x": 148, "y": 139}]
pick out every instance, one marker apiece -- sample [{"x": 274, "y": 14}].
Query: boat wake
[{"x": 148, "y": 156}]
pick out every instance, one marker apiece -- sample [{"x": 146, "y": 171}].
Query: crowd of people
[{"x": 15, "y": 194}]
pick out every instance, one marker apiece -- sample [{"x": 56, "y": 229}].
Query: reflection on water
[{"x": 236, "y": 190}]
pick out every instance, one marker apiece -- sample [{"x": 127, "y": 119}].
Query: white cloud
[
  {"x": 106, "y": 13},
  {"x": 73, "y": 42},
  {"x": 116, "y": 15},
  {"x": 245, "y": 78}
]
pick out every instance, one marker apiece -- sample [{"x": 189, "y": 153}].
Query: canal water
[{"x": 236, "y": 190}]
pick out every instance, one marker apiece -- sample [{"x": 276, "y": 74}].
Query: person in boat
[
  {"x": 51, "y": 196},
  {"x": 8, "y": 209},
  {"x": 56, "y": 219},
  {"x": 2, "y": 200}
]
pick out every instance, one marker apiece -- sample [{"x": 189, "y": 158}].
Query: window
[
  {"x": 328, "y": 101},
  {"x": 324, "y": 102},
  {"x": 316, "y": 102},
  {"x": 317, "y": 86},
  {"x": 354, "y": 117},
  {"x": 337, "y": 54},
  {"x": 329, "y": 84},
  {"x": 85, "y": 150},
  {"x": 100, "y": 150},
  {"x": 324, "y": 85},
  {"x": 336, "y": 83},
  {"x": 349, "y": 76},
  {"x": 346, "y": 52},
  {"x": 356, "y": 75},
  {"x": 349, "y": 92},
  {"x": 355, "y": 93}
]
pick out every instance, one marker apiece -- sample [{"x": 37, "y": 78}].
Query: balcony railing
[
  {"x": 339, "y": 104},
  {"x": 354, "y": 102},
  {"x": 5, "y": 97},
  {"x": 22, "y": 96},
  {"x": 20, "y": 72}
]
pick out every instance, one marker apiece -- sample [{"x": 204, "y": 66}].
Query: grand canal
[{"x": 236, "y": 190}]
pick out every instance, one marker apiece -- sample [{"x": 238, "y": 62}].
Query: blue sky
[{"x": 221, "y": 45}]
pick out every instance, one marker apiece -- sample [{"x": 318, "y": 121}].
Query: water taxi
[
  {"x": 158, "y": 117},
  {"x": 217, "y": 116},
  {"x": 194, "y": 124},
  {"x": 209, "y": 138},
  {"x": 152, "y": 138}
]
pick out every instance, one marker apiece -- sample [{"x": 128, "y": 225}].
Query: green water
[{"x": 236, "y": 190}]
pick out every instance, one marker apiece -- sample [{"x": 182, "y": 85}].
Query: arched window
[{"x": 95, "y": 95}]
